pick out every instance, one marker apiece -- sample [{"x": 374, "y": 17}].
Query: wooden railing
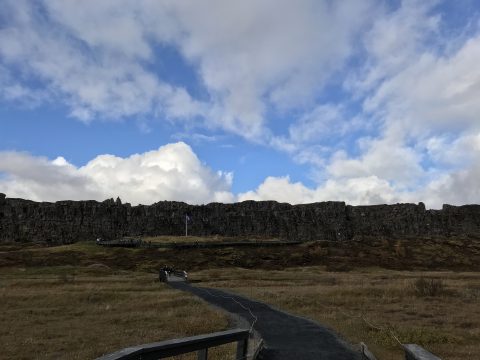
[
  {"x": 416, "y": 352},
  {"x": 412, "y": 352},
  {"x": 200, "y": 343}
]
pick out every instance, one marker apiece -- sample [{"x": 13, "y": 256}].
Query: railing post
[
  {"x": 202, "y": 354},
  {"x": 366, "y": 354},
  {"x": 242, "y": 347}
]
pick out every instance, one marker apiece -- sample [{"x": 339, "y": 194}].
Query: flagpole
[{"x": 186, "y": 225}]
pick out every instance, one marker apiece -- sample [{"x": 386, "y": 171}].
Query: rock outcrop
[{"x": 71, "y": 221}]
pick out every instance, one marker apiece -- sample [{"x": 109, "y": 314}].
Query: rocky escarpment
[{"x": 70, "y": 221}]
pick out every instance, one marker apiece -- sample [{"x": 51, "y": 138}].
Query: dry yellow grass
[
  {"x": 51, "y": 313},
  {"x": 459, "y": 254},
  {"x": 82, "y": 313},
  {"x": 447, "y": 324}
]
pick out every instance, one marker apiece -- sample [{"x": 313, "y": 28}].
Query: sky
[{"x": 362, "y": 101}]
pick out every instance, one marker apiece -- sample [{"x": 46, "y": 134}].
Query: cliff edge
[{"x": 70, "y": 221}]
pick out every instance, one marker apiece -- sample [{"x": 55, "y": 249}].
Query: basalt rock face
[{"x": 70, "y": 221}]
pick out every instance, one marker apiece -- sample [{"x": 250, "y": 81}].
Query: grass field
[
  {"x": 200, "y": 239},
  {"x": 369, "y": 305},
  {"x": 82, "y": 313},
  {"x": 459, "y": 254},
  {"x": 81, "y": 300}
]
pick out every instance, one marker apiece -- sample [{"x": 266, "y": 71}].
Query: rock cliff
[{"x": 70, "y": 221}]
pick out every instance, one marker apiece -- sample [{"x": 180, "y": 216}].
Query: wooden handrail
[
  {"x": 163, "y": 349},
  {"x": 416, "y": 352}
]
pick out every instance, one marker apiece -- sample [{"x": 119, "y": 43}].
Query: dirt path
[{"x": 286, "y": 337}]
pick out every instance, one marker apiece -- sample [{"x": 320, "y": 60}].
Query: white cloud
[
  {"x": 434, "y": 94},
  {"x": 196, "y": 138},
  {"x": 251, "y": 56},
  {"x": 355, "y": 191},
  {"x": 385, "y": 158},
  {"x": 394, "y": 39},
  {"x": 98, "y": 71},
  {"x": 417, "y": 80},
  {"x": 173, "y": 172},
  {"x": 315, "y": 135},
  {"x": 279, "y": 189},
  {"x": 414, "y": 135},
  {"x": 420, "y": 89},
  {"x": 38, "y": 178},
  {"x": 455, "y": 188},
  {"x": 321, "y": 123},
  {"x": 98, "y": 56}
]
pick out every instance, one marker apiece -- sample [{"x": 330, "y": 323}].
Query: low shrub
[
  {"x": 338, "y": 267},
  {"x": 429, "y": 287},
  {"x": 66, "y": 277}
]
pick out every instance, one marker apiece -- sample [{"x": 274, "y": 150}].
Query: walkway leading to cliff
[{"x": 286, "y": 337}]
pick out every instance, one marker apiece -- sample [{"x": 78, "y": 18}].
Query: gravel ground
[{"x": 286, "y": 337}]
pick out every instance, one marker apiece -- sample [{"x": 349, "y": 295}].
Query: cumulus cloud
[
  {"x": 404, "y": 128},
  {"x": 96, "y": 67},
  {"x": 251, "y": 56},
  {"x": 455, "y": 188},
  {"x": 393, "y": 40},
  {"x": 99, "y": 58},
  {"x": 458, "y": 188},
  {"x": 366, "y": 190},
  {"x": 173, "y": 172},
  {"x": 38, "y": 178},
  {"x": 385, "y": 158},
  {"x": 420, "y": 89},
  {"x": 320, "y": 123},
  {"x": 434, "y": 94},
  {"x": 420, "y": 84},
  {"x": 422, "y": 100}
]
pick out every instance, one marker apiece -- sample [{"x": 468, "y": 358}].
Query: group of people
[{"x": 167, "y": 270}]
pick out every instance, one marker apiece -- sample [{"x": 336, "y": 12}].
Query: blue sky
[{"x": 360, "y": 101}]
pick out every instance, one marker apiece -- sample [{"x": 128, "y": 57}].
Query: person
[{"x": 163, "y": 274}]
